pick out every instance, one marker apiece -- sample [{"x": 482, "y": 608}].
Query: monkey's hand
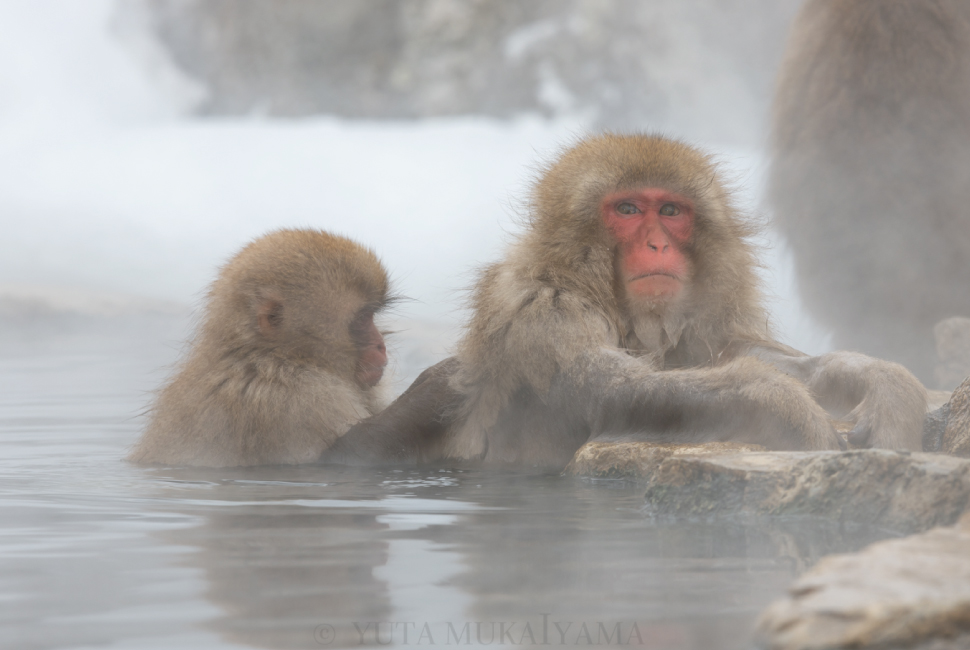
[
  {"x": 891, "y": 404},
  {"x": 884, "y": 401},
  {"x": 406, "y": 432},
  {"x": 743, "y": 400}
]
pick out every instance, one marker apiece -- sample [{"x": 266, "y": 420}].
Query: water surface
[{"x": 95, "y": 552}]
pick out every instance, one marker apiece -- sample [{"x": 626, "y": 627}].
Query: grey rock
[
  {"x": 638, "y": 460},
  {"x": 956, "y": 437},
  {"x": 898, "y": 491},
  {"x": 621, "y": 64},
  {"x": 934, "y": 426},
  {"x": 911, "y": 592}
]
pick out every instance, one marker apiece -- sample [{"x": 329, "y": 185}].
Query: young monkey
[{"x": 287, "y": 357}]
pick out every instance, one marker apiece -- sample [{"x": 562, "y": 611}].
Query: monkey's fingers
[
  {"x": 859, "y": 437},
  {"x": 842, "y": 430},
  {"x": 839, "y": 439},
  {"x": 843, "y": 445}
]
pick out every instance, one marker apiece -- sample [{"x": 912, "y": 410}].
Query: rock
[
  {"x": 394, "y": 59},
  {"x": 953, "y": 349},
  {"x": 956, "y": 438},
  {"x": 912, "y": 592},
  {"x": 899, "y": 491},
  {"x": 934, "y": 426},
  {"x": 638, "y": 460}
]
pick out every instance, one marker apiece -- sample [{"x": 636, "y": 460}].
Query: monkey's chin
[
  {"x": 657, "y": 287},
  {"x": 370, "y": 376}
]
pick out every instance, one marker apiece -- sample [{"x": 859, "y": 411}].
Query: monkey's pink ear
[{"x": 269, "y": 317}]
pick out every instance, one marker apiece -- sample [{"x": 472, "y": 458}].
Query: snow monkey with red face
[{"x": 630, "y": 306}]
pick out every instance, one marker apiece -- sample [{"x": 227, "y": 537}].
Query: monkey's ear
[{"x": 269, "y": 317}]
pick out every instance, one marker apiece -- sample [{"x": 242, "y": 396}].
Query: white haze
[{"x": 111, "y": 194}]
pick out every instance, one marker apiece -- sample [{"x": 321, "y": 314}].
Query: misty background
[{"x": 143, "y": 142}]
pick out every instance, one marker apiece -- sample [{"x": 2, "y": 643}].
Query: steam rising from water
[
  {"x": 107, "y": 190},
  {"x": 117, "y": 208}
]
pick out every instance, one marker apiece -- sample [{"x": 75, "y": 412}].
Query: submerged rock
[
  {"x": 638, "y": 460},
  {"x": 956, "y": 437},
  {"x": 912, "y": 592},
  {"x": 899, "y": 491},
  {"x": 895, "y": 490}
]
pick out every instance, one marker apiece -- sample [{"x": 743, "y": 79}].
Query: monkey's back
[{"x": 870, "y": 180}]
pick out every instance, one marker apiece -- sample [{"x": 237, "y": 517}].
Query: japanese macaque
[
  {"x": 630, "y": 306},
  {"x": 286, "y": 359},
  {"x": 870, "y": 177}
]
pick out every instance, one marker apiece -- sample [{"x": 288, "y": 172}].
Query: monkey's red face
[
  {"x": 372, "y": 355},
  {"x": 651, "y": 227}
]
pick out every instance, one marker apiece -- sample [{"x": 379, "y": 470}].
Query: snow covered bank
[{"x": 106, "y": 189}]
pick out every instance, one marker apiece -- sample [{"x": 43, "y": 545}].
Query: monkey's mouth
[
  {"x": 370, "y": 374},
  {"x": 656, "y": 274},
  {"x": 660, "y": 284}
]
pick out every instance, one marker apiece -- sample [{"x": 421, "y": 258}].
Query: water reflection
[
  {"x": 321, "y": 556},
  {"x": 288, "y": 550},
  {"x": 96, "y": 552}
]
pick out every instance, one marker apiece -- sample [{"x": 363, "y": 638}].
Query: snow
[{"x": 109, "y": 187}]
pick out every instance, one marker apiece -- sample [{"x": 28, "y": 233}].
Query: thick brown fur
[
  {"x": 870, "y": 179},
  {"x": 270, "y": 376},
  {"x": 554, "y": 296},
  {"x": 556, "y": 354}
]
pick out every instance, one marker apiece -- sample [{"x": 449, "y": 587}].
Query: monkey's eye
[
  {"x": 669, "y": 210},
  {"x": 627, "y": 208},
  {"x": 361, "y": 321}
]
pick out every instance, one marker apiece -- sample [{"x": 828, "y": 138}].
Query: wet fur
[
  {"x": 551, "y": 357},
  {"x": 242, "y": 397},
  {"x": 870, "y": 177},
  {"x": 549, "y": 313}
]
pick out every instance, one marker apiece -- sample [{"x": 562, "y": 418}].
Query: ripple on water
[{"x": 94, "y": 551}]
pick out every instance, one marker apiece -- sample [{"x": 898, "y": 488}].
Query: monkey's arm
[
  {"x": 743, "y": 400},
  {"x": 407, "y": 430},
  {"x": 884, "y": 401}
]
